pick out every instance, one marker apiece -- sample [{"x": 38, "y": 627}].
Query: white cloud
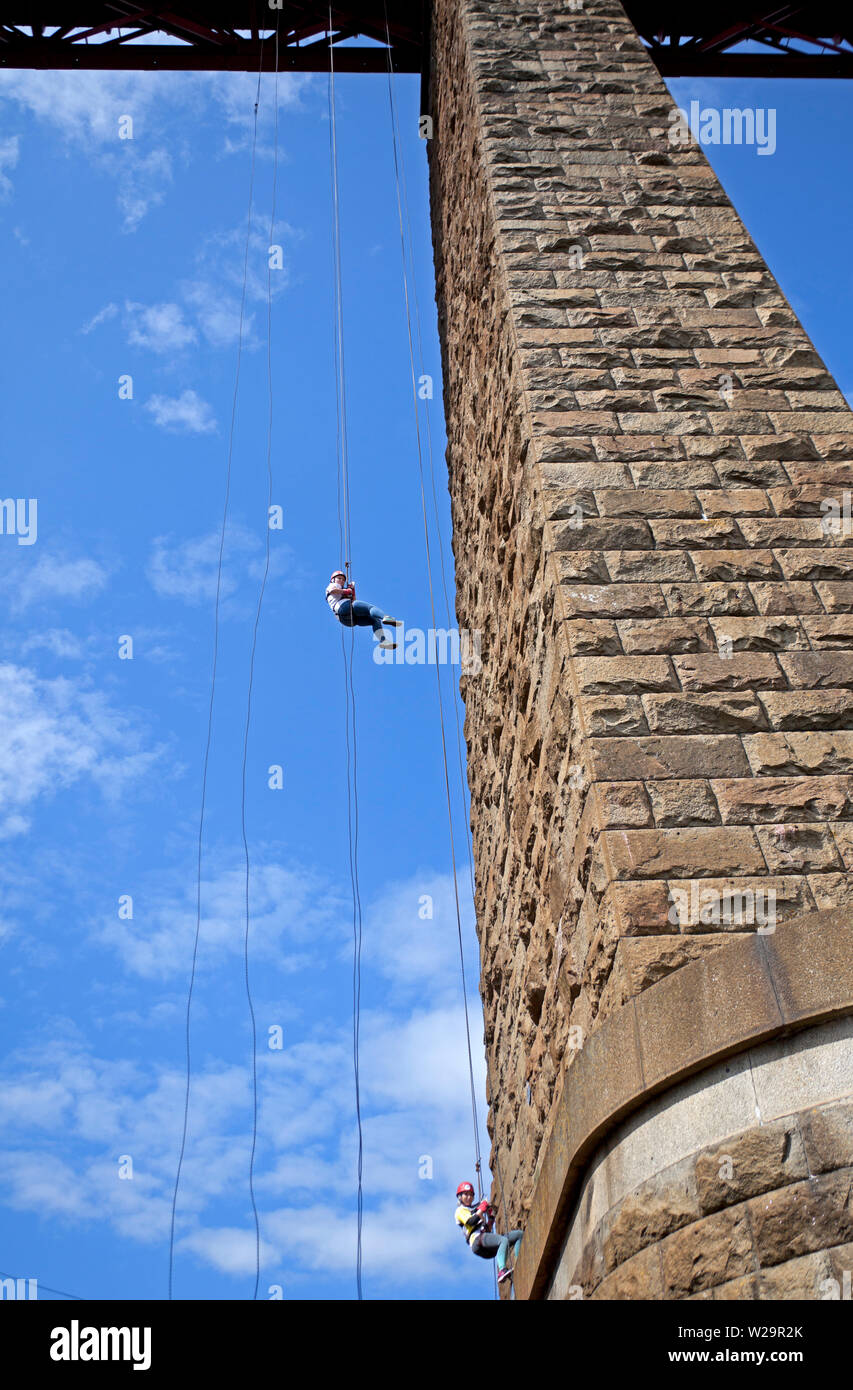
[
  {"x": 72, "y": 1112},
  {"x": 212, "y": 296},
  {"x": 290, "y": 908},
  {"x": 229, "y": 1250},
  {"x": 58, "y": 641},
  {"x": 10, "y": 149},
  {"x": 47, "y": 577},
  {"x": 109, "y": 311},
  {"x": 218, "y": 313},
  {"x": 324, "y": 1240},
  {"x": 215, "y": 292},
  {"x": 187, "y": 569},
  {"x": 160, "y": 327},
  {"x": 224, "y": 255},
  {"x": 54, "y": 733},
  {"x": 432, "y": 943},
  {"x": 44, "y": 1183},
  {"x": 184, "y": 414},
  {"x": 85, "y": 108},
  {"x": 140, "y": 183},
  {"x": 12, "y": 825}
]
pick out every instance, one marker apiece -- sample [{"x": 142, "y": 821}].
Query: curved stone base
[
  {"x": 704, "y": 1135},
  {"x": 735, "y": 1184}
]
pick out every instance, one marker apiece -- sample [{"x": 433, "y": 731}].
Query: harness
[{"x": 473, "y": 1225}]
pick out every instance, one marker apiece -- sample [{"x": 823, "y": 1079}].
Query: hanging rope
[
  {"x": 344, "y": 530},
  {"x": 352, "y": 820},
  {"x": 397, "y": 175},
  {"x": 206, "y": 760},
  {"x": 476, "y": 1126},
  {"x": 344, "y": 515},
  {"x": 436, "y": 516},
  {"x": 248, "y": 722}
]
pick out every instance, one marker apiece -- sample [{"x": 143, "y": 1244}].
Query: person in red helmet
[
  {"x": 340, "y": 596},
  {"x": 478, "y": 1229}
]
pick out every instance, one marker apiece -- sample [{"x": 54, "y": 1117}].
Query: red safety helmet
[
  {"x": 464, "y": 1187},
  {"x": 336, "y": 573}
]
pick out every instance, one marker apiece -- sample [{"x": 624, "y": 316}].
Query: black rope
[
  {"x": 352, "y": 829},
  {"x": 432, "y": 607},
  {"x": 246, "y": 730},
  {"x": 397, "y": 172},
  {"x": 212, "y": 696},
  {"x": 344, "y": 532}
]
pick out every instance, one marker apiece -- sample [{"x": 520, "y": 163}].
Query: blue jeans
[
  {"x": 353, "y": 613},
  {"x": 487, "y": 1246}
]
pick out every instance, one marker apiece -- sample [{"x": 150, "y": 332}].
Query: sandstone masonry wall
[{"x": 640, "y": 439}]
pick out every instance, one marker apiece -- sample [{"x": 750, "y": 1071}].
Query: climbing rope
[
  {"x": 206, "y": 760},
  {"x": 436, "y": 515},
  {"x": 352, "y": 823},
  {"x": 344, "y": 513},
  {"x": 344, "y": 530},
  {"x": 406, "y": 296},
  {"x": 401, "y": 202},
  {"x": 262, "y": 591}
]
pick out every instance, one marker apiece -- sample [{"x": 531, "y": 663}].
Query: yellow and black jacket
[{"x": 473, "y": 1222}]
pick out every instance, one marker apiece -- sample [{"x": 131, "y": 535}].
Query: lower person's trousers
[{"x": 487, "y": 1246}]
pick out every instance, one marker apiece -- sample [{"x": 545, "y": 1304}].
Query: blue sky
[{"x": 125, "y": 258}]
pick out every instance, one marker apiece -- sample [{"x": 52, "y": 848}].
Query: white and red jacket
[{"x": 337, "y": 593}]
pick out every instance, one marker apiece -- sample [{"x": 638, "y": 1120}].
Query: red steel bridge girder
[
  {"x": 210, "y": 35},
  {"x": 787, "y": 39}
]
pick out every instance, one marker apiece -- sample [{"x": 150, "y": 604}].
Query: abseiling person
[
  {"x": 478, "y": 1229},
  {"x": 340, "y": 596}
]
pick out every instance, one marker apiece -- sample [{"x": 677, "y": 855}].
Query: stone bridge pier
[{"x": 649, "y": 465}]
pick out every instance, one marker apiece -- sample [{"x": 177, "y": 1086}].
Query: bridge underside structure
[
  {"x": 726, "y": 38},
  {"x": 644, "y": 448}
]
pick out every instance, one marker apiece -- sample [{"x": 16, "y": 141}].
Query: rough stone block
[
  {"x": 793, "y": 754},
  {"x": 798, "y": 849},
  {"x": 683, "y": 802},
  {"x": 741, "y": 671},
  {"x": 693, "y": 852},
  {"x": 707, "y": 1253},
  {"x": 721, "y": 713},
  {"x": 808, "y": 709},
  {"x": 814, "y": 670},
  {"x": 637, "y": 1278},
  {"x": 743, "y": 1165},
  {"x": 759, "y": 634},
  {"x": 803, "y": 1217},
  {"x": 650, "y": 759},
  {"x": 666, "y": 635},
  {"x": 757, "y": 800},
  {"x": 828, "y": 1136},
  {"x": 623, "y": 675},
  {"x": 612, "y": 715}
]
